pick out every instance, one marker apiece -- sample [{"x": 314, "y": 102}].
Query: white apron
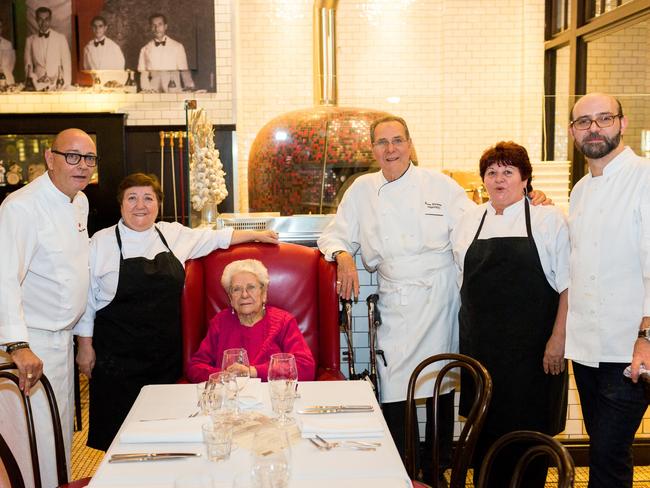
[
  {"x": 418, "y": 303},
  {"x": 55, "y": 350}
]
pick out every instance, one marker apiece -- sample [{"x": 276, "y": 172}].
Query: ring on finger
[
  {"x": 30, "y": 376},
  {"x": 338, "y": 282}
]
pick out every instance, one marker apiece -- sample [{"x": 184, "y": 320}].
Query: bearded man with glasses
[
  {"x": 608, "y": 323},
  {"x": 44, "y": 277}
]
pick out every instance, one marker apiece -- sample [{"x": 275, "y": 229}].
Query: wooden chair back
[
  {"x": 466, "y": 443},
  {"x": 8, "y": 459},
  {"x": 537, "y": 444}
]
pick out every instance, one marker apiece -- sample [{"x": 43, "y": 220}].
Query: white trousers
[{"x": 55, "y": 350}]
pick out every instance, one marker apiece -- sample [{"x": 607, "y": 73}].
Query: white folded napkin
[
  {"x": 340, "y": 426},
  {"x": 171, "y": 430},
  {"x": 249, "y": 397}
]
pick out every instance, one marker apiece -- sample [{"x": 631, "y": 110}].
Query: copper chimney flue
[{"x": 324, "y": 40}]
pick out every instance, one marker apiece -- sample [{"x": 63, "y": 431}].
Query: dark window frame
[{"x": 581, "y": 28}]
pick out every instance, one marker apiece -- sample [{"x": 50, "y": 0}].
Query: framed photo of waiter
[
  {"x": 107, "y": 45},
  {"x": 152, "y": 48}
]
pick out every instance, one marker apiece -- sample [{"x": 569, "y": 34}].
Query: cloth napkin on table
[
  {"x": 250, "y": 395},
  {"x": 170, "y": 430},
  {"x": 340, "y": 426}
]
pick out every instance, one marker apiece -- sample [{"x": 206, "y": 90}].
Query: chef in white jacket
[
  {"x": 44, "y": 280},
  {"x": 401, "y": 219}
]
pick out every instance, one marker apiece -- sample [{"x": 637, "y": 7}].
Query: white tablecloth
[{"x": 310, "y": 467}]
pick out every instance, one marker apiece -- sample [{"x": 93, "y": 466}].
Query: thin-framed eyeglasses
[
  {"x": 250, "y": 289},
  {"x": 395, "y": 141},
  {"x": 603, "y": 121},
  {"x": 73, "y": 159}
]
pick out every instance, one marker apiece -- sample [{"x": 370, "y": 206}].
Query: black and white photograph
[{"x": 107, "y": 46}]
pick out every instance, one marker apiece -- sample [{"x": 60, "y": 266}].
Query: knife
[
  {"x": 150, "y": 456},
  {"x": 343, "y": 407},
  {"x": 336, "y": 409}
]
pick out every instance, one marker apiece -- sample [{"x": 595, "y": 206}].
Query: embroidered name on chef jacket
[{"x": 433, "y": 208}]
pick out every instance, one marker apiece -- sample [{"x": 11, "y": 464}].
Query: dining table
[{"x": 162, "y": 420}]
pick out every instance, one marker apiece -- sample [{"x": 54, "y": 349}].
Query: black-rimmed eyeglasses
[
  {"x": 73, "y": 159},
  {"x": 603, "y": 121}
]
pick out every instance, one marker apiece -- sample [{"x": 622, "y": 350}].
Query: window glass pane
[
  {"x": 562, "y": 104},
  {"x": 619, "y": 63}
]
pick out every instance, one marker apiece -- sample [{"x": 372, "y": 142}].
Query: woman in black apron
[
  {"x": 137, "y": 277},
  {"x": 511, "y": 319}
]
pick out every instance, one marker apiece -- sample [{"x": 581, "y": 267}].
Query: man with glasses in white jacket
[
  {"x": 608, "y": 324},
  {"x": 44, "y": 280}
]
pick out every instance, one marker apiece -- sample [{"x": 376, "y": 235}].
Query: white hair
[{"x": 252, "y": 266}]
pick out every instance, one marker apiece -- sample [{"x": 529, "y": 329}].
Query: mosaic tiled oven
[{"x": 303, "y": 161}]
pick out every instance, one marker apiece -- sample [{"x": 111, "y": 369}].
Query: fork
[{"x": 360, "y": 446}]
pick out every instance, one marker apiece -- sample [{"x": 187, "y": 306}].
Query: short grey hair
[{"x": 252, "y": 266}]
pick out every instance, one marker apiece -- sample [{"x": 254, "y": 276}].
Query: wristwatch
[
  {"x": 336, "y": 253},
  {"x": 644, "y": 334},
  {"x": 15, "y": 346}
]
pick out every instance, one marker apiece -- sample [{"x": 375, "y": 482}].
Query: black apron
[
  {"x": 137, "y": 339},
  {"x": 507, "y": 314}
]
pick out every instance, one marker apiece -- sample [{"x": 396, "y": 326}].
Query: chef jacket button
[{"x": 592, "y": 277}]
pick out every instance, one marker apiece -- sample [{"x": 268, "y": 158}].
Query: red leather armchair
[{"x": 302, "y": 283}]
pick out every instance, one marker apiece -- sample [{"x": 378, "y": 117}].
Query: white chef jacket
[
  {"x": 184, "y": 242},
  {"x": 402, "y": 229},
  {"x": 44, "y": 285},
  {"x": 45, "y": 55},
  {"x": 550, "y": 232},
  {"x": 7, "y": 60},
  {"x": 609, "y": 224}
]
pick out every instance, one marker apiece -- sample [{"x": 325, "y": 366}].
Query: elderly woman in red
[{"x": 250, "y": 324}]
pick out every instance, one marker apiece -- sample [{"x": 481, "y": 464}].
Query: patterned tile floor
[{"x": 85, "y": 460}]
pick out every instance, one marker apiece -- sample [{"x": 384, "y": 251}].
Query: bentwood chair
[
  {"x": 302, "y": 283},
  {"x": 535, "y": 444},
  {"x": 8, "y": 459},
  {"x": 464, "y": 448}
]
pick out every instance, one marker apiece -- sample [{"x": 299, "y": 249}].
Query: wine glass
[
  {"x": 271, "y": 458},
  {"x": 222, "y": 396},
  {"x": 237, "y": 355},
  {"x": 283, "y": 377}
]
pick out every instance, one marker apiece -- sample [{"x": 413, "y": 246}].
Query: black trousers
[
  {"x": 395, "y": 415},
  {"x": 613, "y": 408}
]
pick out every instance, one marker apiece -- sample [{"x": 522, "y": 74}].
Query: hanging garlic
[{"x": 207, "y": 182}]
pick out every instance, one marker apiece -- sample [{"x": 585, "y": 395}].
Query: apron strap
[
  {"x": 119, "y": 241},
  {"x": 162, "y": 238},
  {"x": 478, "y": 231},
  {"x": 529, "y": 231}
]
